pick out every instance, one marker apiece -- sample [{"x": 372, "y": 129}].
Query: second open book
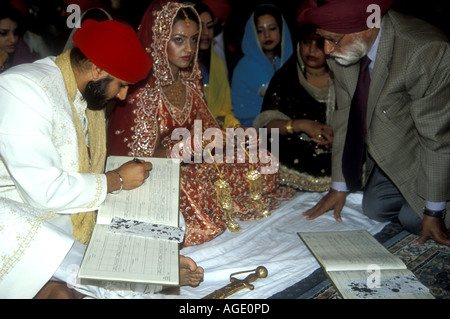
[{"x": 361, "y": 268}]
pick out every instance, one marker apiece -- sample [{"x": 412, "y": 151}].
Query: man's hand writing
[{"x": 133, "y": 174}]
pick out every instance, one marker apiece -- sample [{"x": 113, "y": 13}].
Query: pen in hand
[{"x": 146, "y": 165}]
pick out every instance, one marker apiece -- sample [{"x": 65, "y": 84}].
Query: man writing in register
[
  {"x": 53, "y": 150},
  {"x": 392, "y": 88}
]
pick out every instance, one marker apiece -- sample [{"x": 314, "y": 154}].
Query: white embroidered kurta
[{"x": 40, "y": 185}]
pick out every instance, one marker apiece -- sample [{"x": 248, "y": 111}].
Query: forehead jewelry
[{"x": 186, "y": 18}]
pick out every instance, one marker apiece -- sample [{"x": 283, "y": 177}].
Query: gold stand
[
  {"x": 255, "y": 187},
  {"x": 255, "y": 201},
  {"x": 223, "y": 193}
]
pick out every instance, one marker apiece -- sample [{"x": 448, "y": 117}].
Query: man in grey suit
[{"x": 406, "y": 176}]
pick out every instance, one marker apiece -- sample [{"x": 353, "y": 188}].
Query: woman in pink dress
[{"x": 172, "y": 98}]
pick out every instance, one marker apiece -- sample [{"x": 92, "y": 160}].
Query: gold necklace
[{"x": 176, "y": 93}]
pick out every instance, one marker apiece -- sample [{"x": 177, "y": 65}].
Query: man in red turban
[
  {"x": 113, "y": 47},
  {"x": 52, "y": 157},
  {"x": 345, "y": 20},
  {"x": 342, "y": 16},
  {"x": 405, "y": 113}
]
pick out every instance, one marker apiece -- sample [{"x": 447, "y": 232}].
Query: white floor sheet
[{"x": 271, "y": 242}]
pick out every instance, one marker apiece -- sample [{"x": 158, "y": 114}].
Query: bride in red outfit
[{"x": 172, "y": 97}]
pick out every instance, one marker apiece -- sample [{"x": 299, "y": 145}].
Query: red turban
[
  {"x": 220, "y": 8},
  {"x": 115, "y": 48},
  {"x": 340, "y": 16},
  {"x": 19, "y": 5}
]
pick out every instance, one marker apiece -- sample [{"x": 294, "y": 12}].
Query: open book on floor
[
  {"x": 137, "y": 235},
  {"x": 361, "y": 268}
]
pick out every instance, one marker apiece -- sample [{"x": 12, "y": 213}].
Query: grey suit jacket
[{"x": 408, "y": 116}]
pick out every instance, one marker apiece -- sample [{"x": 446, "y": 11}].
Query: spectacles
[{"x": 332, "y": 41}]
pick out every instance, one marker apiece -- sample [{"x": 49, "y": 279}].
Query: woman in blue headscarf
[{"x": 266, "y": 46}]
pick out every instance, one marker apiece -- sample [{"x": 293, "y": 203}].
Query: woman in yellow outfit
[{"x": 215, "y": 79}]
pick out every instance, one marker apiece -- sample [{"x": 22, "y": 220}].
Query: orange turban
[
  {"x": 115, "y": 48},
  {"x": 340, "y": 16}
]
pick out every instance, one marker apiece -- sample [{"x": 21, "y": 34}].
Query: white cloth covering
[{"x": 271, "y": 242}]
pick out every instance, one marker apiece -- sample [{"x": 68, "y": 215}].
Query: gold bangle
[{"x": 289, "y": 128}]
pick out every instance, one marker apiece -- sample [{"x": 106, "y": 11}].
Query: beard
[
  {"x": 95, "y": 94},
  {"x": 354, "y": 53}
]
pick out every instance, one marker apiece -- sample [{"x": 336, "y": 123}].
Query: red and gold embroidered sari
[{"x": 148, "y": 118}]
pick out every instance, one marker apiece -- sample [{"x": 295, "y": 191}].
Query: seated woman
[
  {"x": 266, "y": 45},
  {"x": 172, "y": 99},
  {"x": 300, "y": 102},
  {"x": 13, "y": 49},
  {"x": 215, "y": 78}
]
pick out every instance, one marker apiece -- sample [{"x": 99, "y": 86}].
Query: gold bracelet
[{"x": 289, "y": 128}]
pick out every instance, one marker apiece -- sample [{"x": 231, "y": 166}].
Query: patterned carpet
[{"x": 429, "y": 262}]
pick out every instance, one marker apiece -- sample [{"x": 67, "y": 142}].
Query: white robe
[{"x": 41, "y": 186}]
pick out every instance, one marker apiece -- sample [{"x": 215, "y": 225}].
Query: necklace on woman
[
  {"x": 272, "y": 58},
  {"x": 176, "y": 93},
  {"x": 318, "y": 79},
  {"x": 316, "y": 74}
]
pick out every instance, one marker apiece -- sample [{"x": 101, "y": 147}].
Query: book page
[
  {"x": 129, "y": 257},
  {"x": 156, "y": 201},
  {"x": 349, "y": 250},
  {"x": 121, "y": 257},
  {"x": 383, "y": 284}
]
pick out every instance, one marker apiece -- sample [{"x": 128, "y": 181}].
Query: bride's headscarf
[
  {"x": 154, "y": 33},
  {"x": 126, "y": 134}
]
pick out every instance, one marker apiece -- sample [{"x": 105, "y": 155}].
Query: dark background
[{"x": 48, "y": 18}]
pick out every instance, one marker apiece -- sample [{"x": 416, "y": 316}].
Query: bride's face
[{"x": 182, "y": 46}]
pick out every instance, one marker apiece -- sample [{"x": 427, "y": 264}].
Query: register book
[
  {"x": 361, "y": 268},
  {"x": 136, "y": 237}
]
